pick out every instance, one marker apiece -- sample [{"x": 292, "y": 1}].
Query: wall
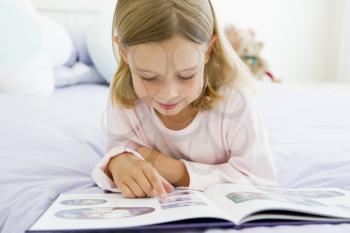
[
  {"x": 299, "y": 35},
  {"x": 73, "y": 14},
  {"x": 342, "y": 57},
  {"x": 304, "y": 40}
]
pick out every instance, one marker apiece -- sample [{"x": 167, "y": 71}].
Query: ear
[
  {"x": 210, "y": 48},
  {"x": 252, "y": 32},
  {"x": 121, "y": 49}
]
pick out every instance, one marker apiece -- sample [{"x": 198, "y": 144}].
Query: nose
[{"x": 168, "y": 92}]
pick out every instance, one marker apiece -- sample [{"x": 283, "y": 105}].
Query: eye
[
  {"x": 186, "y": 78},
  {"x": 148, "y": 79}
]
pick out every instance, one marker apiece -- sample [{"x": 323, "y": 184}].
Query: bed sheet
[
  {"x": 309, "y": 132},
  {"x": 49, "y": 146}
]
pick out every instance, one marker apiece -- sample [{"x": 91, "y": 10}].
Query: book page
[
  {"x": 112, "y": 210},
  {"x": 241, "y": 201}
]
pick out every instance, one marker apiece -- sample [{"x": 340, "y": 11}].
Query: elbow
[{"x": 264, "y": 181}]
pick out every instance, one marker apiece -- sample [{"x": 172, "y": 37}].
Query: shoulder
[
  {"x": 237, "y": 99},
  {"x": 120, "y": 111},
  {"x": 127, "y": 117}
]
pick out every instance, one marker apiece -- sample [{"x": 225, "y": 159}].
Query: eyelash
[{"x": 151, "y": 79}]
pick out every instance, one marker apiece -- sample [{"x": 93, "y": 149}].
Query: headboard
[{"x": 73, "y": 14}]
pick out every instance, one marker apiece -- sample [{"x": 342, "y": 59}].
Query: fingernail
[
  {"x": 163, "y": 195},
  {"x": 154, "y": 192}
]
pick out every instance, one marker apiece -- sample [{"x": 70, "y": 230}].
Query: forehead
[{"x": 176, "y": 51}]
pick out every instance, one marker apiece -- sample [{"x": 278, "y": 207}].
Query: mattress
[{"x": 50, "y": 145}]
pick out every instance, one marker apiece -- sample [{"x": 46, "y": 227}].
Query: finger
[
  {"x": 167, "y": 186},
  {"x": 162, "y": 193},
  {"x": 117, "y": 181},
  {"x": 126, "y": 191},
  {"x": 135, "y": 188},
  {"x": 144, "y": 183},
  {"x": 154, "y": 178}
]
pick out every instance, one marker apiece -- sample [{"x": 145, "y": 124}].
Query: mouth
[{"x": 168, "y": 106}]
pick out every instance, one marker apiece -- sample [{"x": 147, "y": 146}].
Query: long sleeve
[
  {"x": 121, "y": 138},
  {"x": 249, "y": 160}
]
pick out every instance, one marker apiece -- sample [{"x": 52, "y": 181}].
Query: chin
[{"x": 168, "y": 112}]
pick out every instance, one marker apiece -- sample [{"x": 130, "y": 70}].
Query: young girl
[{"x": 180, "y": 110}]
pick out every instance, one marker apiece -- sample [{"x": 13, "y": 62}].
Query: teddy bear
[{"x": 248, "y": 48}]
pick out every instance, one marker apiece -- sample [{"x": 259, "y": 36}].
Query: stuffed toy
[{"x": 249, "y": 49}]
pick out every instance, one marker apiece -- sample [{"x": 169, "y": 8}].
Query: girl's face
[{"x": 168, "y": 75}]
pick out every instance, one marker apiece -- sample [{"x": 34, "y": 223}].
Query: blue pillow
[
  {"x": 99, "y": 45},
  {"x": 21, "y": 36},
  {"x": 59, "y": 44},
  {"x": 25, "y": 68}
]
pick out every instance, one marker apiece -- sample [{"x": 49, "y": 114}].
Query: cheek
[
  {"x": 139, "y": 88},
  {"x": 194, "y": 86},
  {"x": 144, "y": 89}
]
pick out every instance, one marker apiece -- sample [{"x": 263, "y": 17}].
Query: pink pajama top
[{"x": 227, "y": 144}]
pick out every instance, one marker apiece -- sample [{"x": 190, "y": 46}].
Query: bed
[{"x": 49, "y": 145}]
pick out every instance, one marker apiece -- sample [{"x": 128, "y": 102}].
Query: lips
[{"x": 168, "y": 106}]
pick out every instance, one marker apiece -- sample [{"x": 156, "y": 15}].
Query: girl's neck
[{"x": 179, "y": 121}]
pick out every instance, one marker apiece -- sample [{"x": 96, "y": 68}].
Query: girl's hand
[
  {"x": 137, "y": 178},
  {"x": 173, "y": 170}
]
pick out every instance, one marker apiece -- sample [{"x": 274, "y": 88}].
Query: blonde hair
[{"x": 194, "y": 20}]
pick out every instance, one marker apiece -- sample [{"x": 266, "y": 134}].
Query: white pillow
[
  {"x": 78, "y": 73},
  {"x": 24, "y": 65},
  {"x": 99, "y": 44},
  {"x": 58, "y": 42}
]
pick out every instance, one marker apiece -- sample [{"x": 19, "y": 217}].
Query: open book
[{"x": 220, "y": 205}]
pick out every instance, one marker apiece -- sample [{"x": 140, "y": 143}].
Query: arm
[
  {"x": 173, "y": 170},
  {"x": 121, "y": 139},
  {"x": 194, "y": 175},
  {"x": 250, "y": 160}
]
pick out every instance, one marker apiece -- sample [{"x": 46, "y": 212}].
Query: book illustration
[
  {"x": 180, "y": 192},
  {"x": 103, "y": 212},
  {"x": 182, "y": 204},
  {"x": 303, "y": 193},
  {"x": 180, "y": 198},
  {"x": 239, "y": 197},
  {"x": 80, "y": 202}
]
